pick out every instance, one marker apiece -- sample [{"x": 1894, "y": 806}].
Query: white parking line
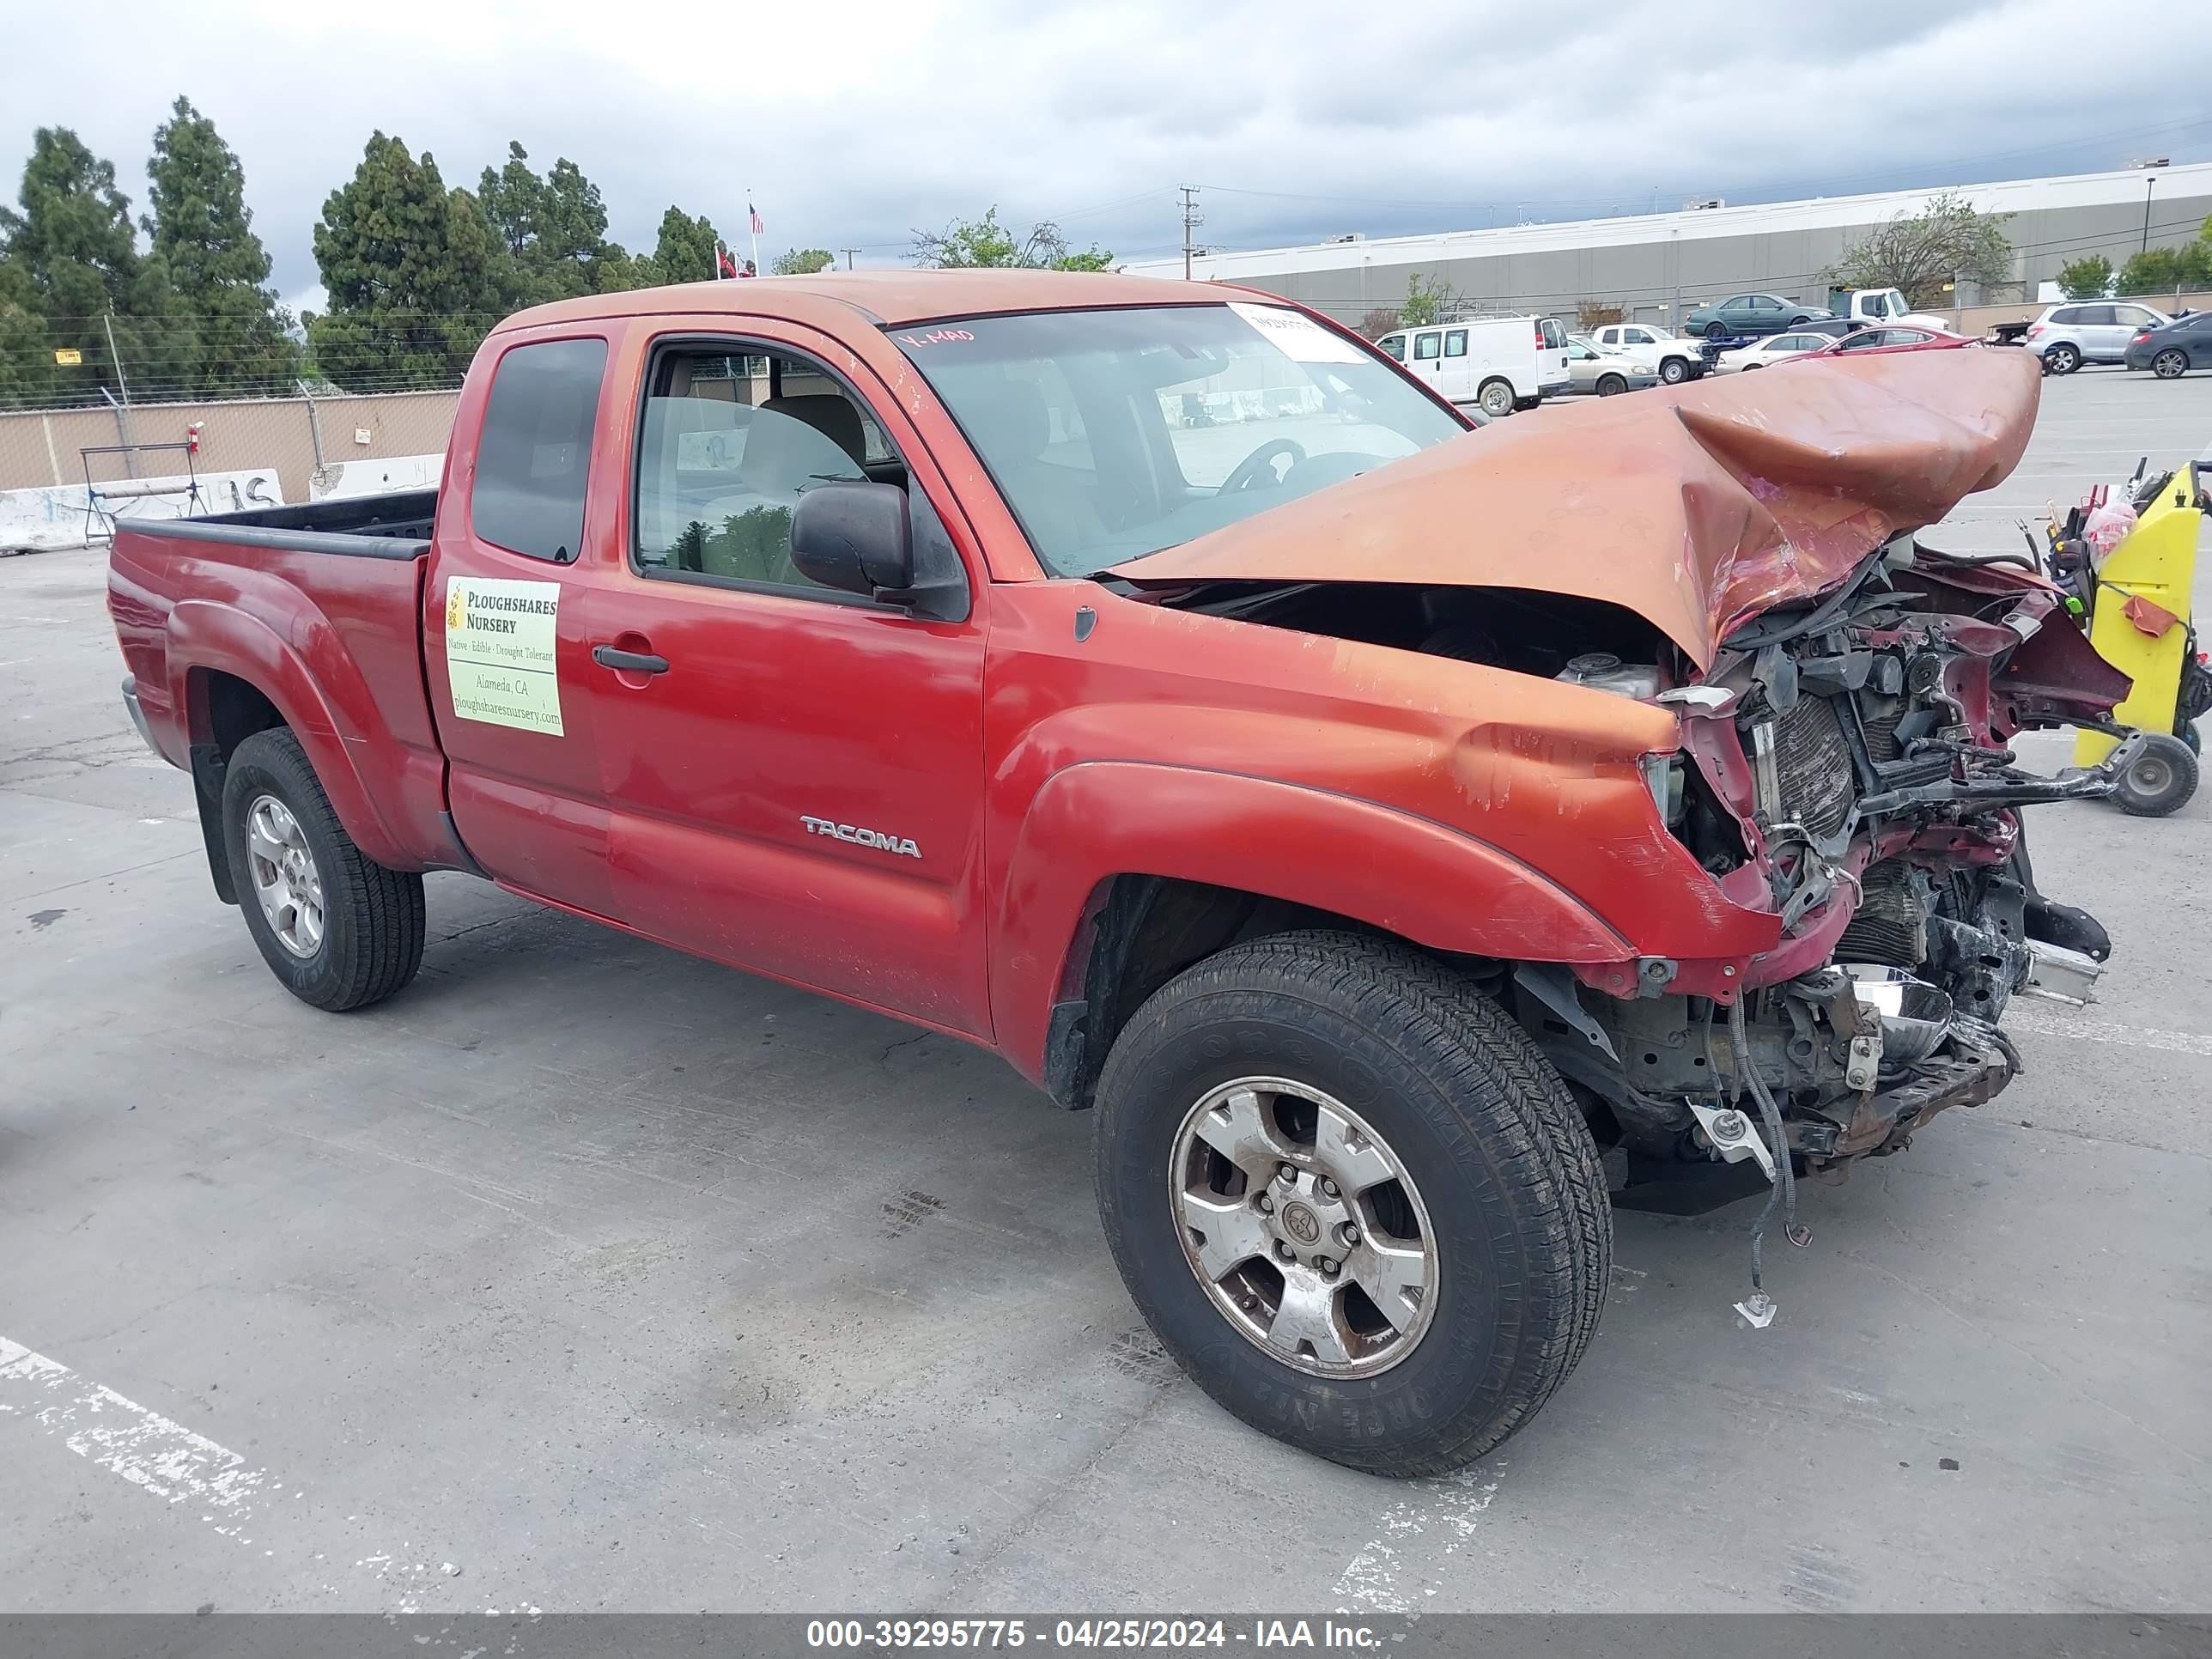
[
  {"x": 1372, "y": 1580},
  {"x": 145, "y": 1448},
  {"x": 2022, "y": 1017}
]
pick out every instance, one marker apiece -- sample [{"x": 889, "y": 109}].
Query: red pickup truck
[{"x": 1405, "y": 835}]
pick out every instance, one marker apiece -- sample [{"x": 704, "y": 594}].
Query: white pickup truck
[
  {"x": 1881, "y": 305},
  {"x": 1669, "y": 357}
]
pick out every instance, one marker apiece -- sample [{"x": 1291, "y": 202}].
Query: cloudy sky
[{"x": 851, "y": 122}]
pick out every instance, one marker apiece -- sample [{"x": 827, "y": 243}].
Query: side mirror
[{"x": 854, "y": 537}]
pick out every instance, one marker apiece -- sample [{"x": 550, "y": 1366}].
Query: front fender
[
  {"x": 1405, "y": 874},
  {"x": 206, "y": 636}
]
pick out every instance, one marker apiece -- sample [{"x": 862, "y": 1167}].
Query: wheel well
[
  {"x": 1138, "y": 933},
  {"x": 222, "y": 711},
  {"x": 227, "y": 710}
]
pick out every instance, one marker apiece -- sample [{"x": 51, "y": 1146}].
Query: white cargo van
[{"x": 1498, "y": 363}]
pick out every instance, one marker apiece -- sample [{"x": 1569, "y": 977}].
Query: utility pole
[
  {"x": 848, "y": 252},
  {"x": 2148, "y": 184},
  {"x": 1192, "y": 219}
]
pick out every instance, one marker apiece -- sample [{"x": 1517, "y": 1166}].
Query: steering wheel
[{"x": 1260, "y": 465}]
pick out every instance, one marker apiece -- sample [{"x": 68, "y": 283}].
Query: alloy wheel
[
  {"x": 1303, "y": 1227},
  {"x": 286, "y": 882}
]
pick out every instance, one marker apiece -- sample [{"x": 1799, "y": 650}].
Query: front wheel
[
  {"x": 1611, "y": 386},
  {"x": 1352, "y": 1200},
  {"x": 1674, "y": 371},
  {"x": 337, "y": 929},
  {"x": 1496, "y": 400},
  {"x": 2170, "y": 365}
]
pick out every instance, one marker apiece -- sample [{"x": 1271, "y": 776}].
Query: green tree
[
  {"x": 76, "y": 260},
  {"x": 26, "y": 363},
  {"x": 1427, "y": 298},
  {"x": 2168, "y": 270},
  {"x": 1947, "y": 241},
  {"x": 554, "y": 229},
  {"x": 966, "y": 244},
  {"x": 224, "y": 330},
  {"x": 685, "y": 251},
  {"x": 801, "y": 262},
  {"x": 2086, "y": 279},
  {"x": 416, "y": 274}
]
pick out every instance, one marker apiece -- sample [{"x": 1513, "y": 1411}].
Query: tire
[
  {"x": 1674, "y": 371},
  {"x": 1496, "y": 1154},
  {"x": 1496, "y": 398},
  {"x": 1611, "y": 386},
  {"x": 2064, "y": 358},
  {"x": 1716, "y": 329},
  {"x": 2162, "y": 779},
  {"x": 369, "y": 942},
  {"x": 1796, "y": 322},
  {"x": 2169, "y": 364}
]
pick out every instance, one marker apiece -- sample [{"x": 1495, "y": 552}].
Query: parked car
[
  {"x": 1775, "y": 349},
  {"x": 2089, "y": 331},
  {"x": 1363, "y": 819},
  {"x": 1871, "y": 342},
  {"x": 1497, "y": 364},
  {"x": 2172, "y": 349},
  {"x": 1605, "y": 373},
  {"x": 1674, "y": 359},
  {"x": 1752, "y": 314}
]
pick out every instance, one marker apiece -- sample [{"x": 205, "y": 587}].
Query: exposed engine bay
[{"x": 1846, "y": 763}]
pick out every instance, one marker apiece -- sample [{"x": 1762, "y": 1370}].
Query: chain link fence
[{"x": 185, "y": 459}]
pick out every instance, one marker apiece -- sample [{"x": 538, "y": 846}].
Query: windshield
[{"x": 1115, "y": 434}]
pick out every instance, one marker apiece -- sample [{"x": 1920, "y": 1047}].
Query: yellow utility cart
[{"x": 2137, "y": 605}]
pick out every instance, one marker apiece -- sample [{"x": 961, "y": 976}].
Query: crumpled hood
[{"x": 1696, "y": 507}]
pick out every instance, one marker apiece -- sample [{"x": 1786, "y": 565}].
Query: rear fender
[
  {"x": 1403, "y": 874},
  {"x": 203, "y": 636}
]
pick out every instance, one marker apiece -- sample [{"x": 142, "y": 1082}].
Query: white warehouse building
[{"x": 1657, "y": 266}]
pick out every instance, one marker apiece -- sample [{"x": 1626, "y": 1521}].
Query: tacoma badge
[{"x": 875, "y": 838}]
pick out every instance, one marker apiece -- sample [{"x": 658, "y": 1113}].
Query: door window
[
  {"x": 729, "y": 439},
  {"x": 1456, "y": 343},
  {"x": 1863, "y": 340},
  {"x": 535, "y": 449},
  {"x": 1554, "y": 336},
  {"x": 1393, "y": 347},
  {"x": 1426, "y": 346},
  {"x": 2133, "y": 316},
  {"x": 2093, "y": 317},
  {"x": 1761, "y": 303}
]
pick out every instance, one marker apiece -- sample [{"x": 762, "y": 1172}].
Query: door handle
[{"x": 629, "y": 662}]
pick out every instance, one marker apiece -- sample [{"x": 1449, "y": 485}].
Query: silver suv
[{"x": 2088, "y": 332}]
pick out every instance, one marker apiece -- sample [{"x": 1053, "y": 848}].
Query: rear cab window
[{"x": 534, "y": 450}]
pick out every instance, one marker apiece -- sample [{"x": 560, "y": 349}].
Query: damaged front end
[{"x": 1847, "y": 763}]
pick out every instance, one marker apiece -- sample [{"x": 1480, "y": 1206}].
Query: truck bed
[{"x": 312, "y": 615}]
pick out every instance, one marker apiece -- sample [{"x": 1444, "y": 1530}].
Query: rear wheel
[
  {"x": 2162, "y": 779},
  {"x": 1352, "y": 1200},
  {"x": 1496, "y": 398},
  {"x": 2169, "y": 364},
  {"x": 1716, "y": 329},
  {"x": 339, "y": 930},
  {"x": 2062, "y": 358}
]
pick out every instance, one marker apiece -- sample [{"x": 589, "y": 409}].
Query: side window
[
  {"x": 1393, "y": 347},
  {"x": 2095, "y": 316},
  {"x": 729, "y": 439},
  {"x": 1456, "y": 343},
  {"x": 1738, "y": 302},
  {"x": 1761, "y": 303},
  {"x": 1554, "y": 336},
  {"x": 1427, "y": 346},
  {"x": 2066, "y": 315},
  {"x": 1637, "y": 336},
  {"x": 2133, "y": 316},
  {"x": 535, "y": 449}
]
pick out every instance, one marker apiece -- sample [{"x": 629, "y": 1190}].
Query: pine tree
[
  {"x": 416, "y": 275},
  {"x": 555, "y": 230},
  {"x": 74, "y": 260},
  {"x": 224, "y": 330},
  {"x": 685, "y": 252}
]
